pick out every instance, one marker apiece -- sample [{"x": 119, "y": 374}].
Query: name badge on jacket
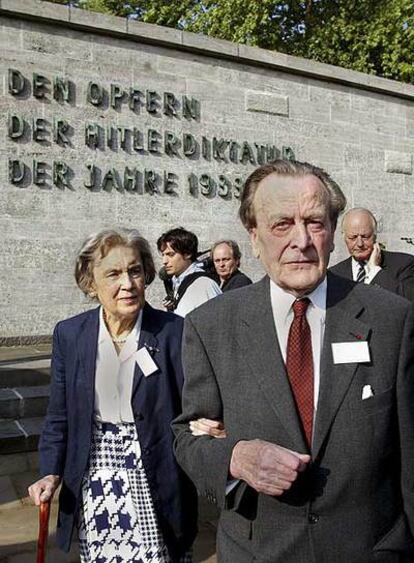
[
  {"x": 350, "y": 352},
  {"x": 145, "y": 362}
]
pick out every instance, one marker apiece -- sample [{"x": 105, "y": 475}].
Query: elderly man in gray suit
[{"x": 313, "y": 377}]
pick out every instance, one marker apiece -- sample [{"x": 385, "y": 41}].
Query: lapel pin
[
  {"x": 151, "y": 349},
  {"x": 357, "y": 336}
]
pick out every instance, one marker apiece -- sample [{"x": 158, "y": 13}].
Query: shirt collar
[
  {"x": 193, "y": 267},
  {"x": 282, "y": 301},
  {"x": 358, "y": 263}
]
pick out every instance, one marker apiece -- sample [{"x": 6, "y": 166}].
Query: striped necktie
[{"x": 361, "y": 273}]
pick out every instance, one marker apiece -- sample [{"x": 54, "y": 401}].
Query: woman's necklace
[
  {"x": 119, "y": 340},
  {"x": 114, "y": 339}
]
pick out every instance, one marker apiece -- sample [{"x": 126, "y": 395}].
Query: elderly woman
[{"x": 116, "y": 386}]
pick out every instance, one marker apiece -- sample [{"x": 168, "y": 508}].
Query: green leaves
[{"x": 372, "y": 36}]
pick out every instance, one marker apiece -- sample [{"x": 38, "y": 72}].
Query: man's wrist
[{"x": 235, "y": 460}]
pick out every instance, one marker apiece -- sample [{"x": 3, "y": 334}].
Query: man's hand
[
  {"x": 44, "y": 489},
  {"x": 207, "y": 427},
  {"x": 268, "y": 468},
  {"x": 376, "y": 258}
]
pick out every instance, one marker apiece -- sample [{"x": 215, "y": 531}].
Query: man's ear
[
  {"x": 254, "y": 242},
  {"x": 332, "y": 247}
]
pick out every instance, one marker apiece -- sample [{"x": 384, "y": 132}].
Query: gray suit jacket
[
  {"x": 396, "y": 275},
  {"x": 355, "y": 504}
]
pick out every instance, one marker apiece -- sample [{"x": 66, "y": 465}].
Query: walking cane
[{"x": 44, "y": 511}]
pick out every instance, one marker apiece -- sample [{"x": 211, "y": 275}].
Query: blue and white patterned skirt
[{"x": 117, "y": 520}]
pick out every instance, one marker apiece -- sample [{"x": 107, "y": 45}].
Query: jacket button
[
  {"x": 313, "y": 518},
  {"x": 139, "y": 416}
]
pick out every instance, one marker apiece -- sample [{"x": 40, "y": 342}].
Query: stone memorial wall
[{"x": 108, "y": 122}]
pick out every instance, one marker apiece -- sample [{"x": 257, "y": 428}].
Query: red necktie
[{"x": 299, "y": 365}]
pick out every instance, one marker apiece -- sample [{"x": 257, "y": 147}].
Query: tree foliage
[{"x": 373, "y": 36}]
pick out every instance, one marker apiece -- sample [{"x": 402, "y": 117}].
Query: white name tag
[
  {"x": 350, "y": 352},
  {"x": 145, "y": 362},
  {"x": 367, "y": 392}
]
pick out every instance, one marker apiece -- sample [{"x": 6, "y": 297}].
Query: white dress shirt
[
  {"x": 282, "y": 310},
  {"x": 114, "y": 375},
  {"x": 370, "y": 271},
  {"x": 201, "y": 290},
  {"x": 316, "y": 313}
]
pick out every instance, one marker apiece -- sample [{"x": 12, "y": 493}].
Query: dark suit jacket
[
  {"x": 156, "y": 400},
  {"x": 237, "y": 279},
  {"x": 396, "y": 275},
  {"x": 355, "y": 503}
]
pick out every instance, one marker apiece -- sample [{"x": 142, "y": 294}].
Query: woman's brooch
[{"x": 151, "y": 349}]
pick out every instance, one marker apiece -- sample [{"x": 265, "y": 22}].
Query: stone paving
[{"x": 19, "y": 526}]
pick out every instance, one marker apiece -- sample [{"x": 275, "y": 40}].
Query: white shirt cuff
[
  {"x": 231, "y": 485},
  {"x": 371, "y": 273}
]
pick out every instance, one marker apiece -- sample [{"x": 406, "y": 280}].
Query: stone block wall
[{"x": 166, "y": 125}]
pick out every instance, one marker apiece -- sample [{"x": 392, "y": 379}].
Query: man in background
[
  {"x": 226, "y": 255},
  {"x": 191, "y": 285},
  {"x": 370, "y": 264}
]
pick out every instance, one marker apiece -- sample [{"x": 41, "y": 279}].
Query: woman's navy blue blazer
[{"x": 156, "y": 401}]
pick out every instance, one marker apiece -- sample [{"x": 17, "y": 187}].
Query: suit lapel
[
  {"x": 349, "y": 274},
  {"x": 259, "y": 339},
  {"x": 148, "y": 340},
  {"x": 87, "y": 346},
  {"x": 342, "y": 325}
]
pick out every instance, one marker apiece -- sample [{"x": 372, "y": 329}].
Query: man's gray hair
[
  {"x": 232, "y": 244},
  {"x": 360, "y": 210},
  {"x": 337, "y": 200},
  {"x": 97, "y": 246}
]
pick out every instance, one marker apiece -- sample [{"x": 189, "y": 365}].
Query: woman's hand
[
  {"x": 207, "y": 427},
  {"x": 44, "y": 489}
]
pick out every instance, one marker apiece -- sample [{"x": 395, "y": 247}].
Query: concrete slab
[
  {"x": 12, "y": 438},
  {"x": 20, "y": 435},
  {"x": 52, "y": 556},
  {"x": 37, "y": 8},
  {"x": 33, "y": 400},
  {"x": 24, "y": 363},
  {"x": 16, "y": 463},
  {"x": 142, "y": 31},
  {"x": 33, "y": 428},
  {"x": 11, "y": 464},
  {"x": 9, "y": 498},
  {"x": 19, "y": 373},
  {"x": 33, "y": 391},
  {"x": 12, "y": 353},
  {"x": 33, "y": 460},
  {"x": 9, "y": 403}
]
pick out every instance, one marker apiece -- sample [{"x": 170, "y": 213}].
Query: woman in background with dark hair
[{"x": 116, "y": 386}]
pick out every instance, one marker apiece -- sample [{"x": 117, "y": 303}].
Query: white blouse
[{"x": 114, "y": 375}]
